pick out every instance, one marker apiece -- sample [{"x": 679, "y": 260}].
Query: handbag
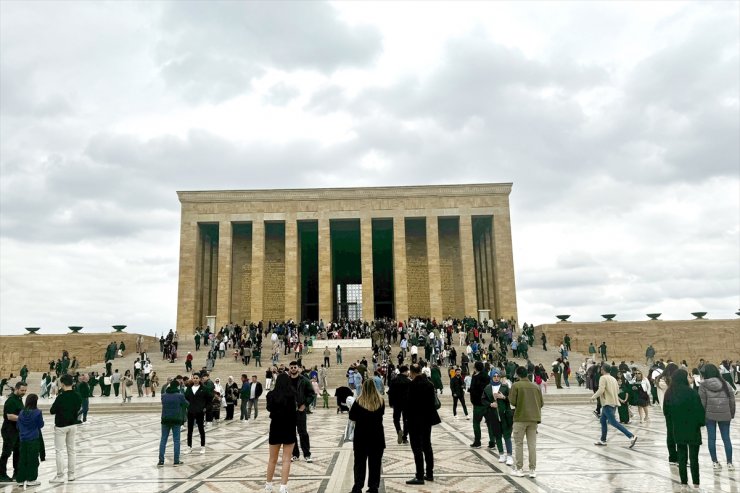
[{"x": 437, "y": 404}]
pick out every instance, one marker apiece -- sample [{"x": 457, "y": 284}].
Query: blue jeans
[
  {"x": 724, "y": 431},
  {"x": 607, "y": 414},
  {"x": 175, "y": 439}
]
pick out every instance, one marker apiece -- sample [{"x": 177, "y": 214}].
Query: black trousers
[
  {"x": 229, "y": 411},
  {"x": 398, "y": 414},
  {"x": 303, "y": 435},
  {"x": 454, "y": 404},
  {"x": 421, "y": 445},
  {"x": 670, "y": 441},
  {"x": 370, "y": 460},
  {"x": 193, "y": 419},
  {"x": 11, "y": 446},
  {"x": 326, "y": 361},
  {"x": 686, "y": 453}
]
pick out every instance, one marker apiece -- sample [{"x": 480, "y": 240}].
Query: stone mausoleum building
[{"x": 330, "y": 253}]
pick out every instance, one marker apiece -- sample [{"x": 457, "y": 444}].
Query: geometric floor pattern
[{"x": 118, "y": 452}]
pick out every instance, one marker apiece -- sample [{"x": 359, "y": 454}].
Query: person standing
[
  {"x": 608, "y": 392},
  {"x": 422, "y": 416},
  {"x": 480, "y": 410},
  {"x": 369, "y": 440},
  {"x": 173, "y": 405},
  {"x": 304, "y": 396},
  {"x": 198, "y": 400},
  {"x": 231, "y": 396},
  {"x": 83, "y": 388},
  {"x": 719, "y": 404},
  {"x": 24, "y": 373},
  {"x": 526, "y": 398},
  {"x": 281, "y": 404},
  {"x": 255, "y": 391},
  {"x": 602, "y": 351},
  {"x": 339, "y": 354},
  {"x": 457, "y": 388},
  {"x": 210, "y": 388},
  {"x": 65, "y": 409},
  {"x": 115, "y": 380},
  {"x": 30, "y": 422},
  {"x": 496, "y": 399},
  {"x": 327, "y": 357},
  {"x": 244, "y": 396},
  {"x": 649, "y": 356},
  {"x": 11, "y": 439},
  {"x": 687, "y": 416},
  {"x": 398, "y": 392}
]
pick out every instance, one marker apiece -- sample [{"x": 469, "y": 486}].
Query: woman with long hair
[
  {"x": 662, "y": 382},
  {"x": 281, "y": 404},
  {"x": 719, "y": 403},
  {"x": 683, "y": 409},
  {"x": 643, "y": 396},
  {"x": 369, "y": 438},
  {"x": 30, "y": 423}
]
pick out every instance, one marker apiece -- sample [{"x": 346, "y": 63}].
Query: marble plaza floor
[{"x": 118, "y": 452}]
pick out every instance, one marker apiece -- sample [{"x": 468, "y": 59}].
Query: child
[
  {"x": 325, "y": 396},
  {"x": 30, "y": 423}
]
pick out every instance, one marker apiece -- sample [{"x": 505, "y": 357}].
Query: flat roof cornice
[{"x": 348, "y": 193}]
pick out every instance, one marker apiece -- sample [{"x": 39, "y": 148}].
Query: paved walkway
[{"x": 118, "y": 452}]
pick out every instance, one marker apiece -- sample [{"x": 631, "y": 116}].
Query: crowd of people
[{"x": 409, "y": 366}]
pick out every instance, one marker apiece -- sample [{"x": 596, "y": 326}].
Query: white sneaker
[
  {"x": 509, "y": 460},
  {"x": 32, "y": 483},
  {"x": 716, "y": 466},
  {"x": 202, "y": 450},
  {"x": 57, "y": 479},
  {"x": 600, "y": 443},
  {"x": 517, "y": 472},
  {"x": 532, "y": 473},
  {"x": 188, "y": 450},
  {"x": 268, "y": 487},
  {"x": 502, "y": 458},
  {"x": 730, "y": 467},
  {"x": 283, "y": 488},
  {"x": 308, "y": 459}
]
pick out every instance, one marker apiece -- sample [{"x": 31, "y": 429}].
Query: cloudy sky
[{"x": 617, "y": 122}]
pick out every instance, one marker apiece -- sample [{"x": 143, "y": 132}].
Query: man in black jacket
[
  {"x": 398, "y": 396},
  {"x": 65, "y": 409},
  {"x": 478, "y": 384},
  {"x": 198, "y": 401},
  {"x": 422, "y": 416},
  {"x": 457, "y": 388},
  {"x": 304, "y": 396}
]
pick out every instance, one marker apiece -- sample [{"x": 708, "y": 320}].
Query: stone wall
[
  {"x": 451, "y": 271},
  {"x": 274, "y": 275},
  {"x": 36, "y": 350},
  {"x": 713, "y": 340},
  {"x": 417, "y": 270},
  {"x": 241, "y": 287}
]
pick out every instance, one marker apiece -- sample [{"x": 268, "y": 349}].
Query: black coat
[
  {"x": 369, "y": 434},
  {"x": 199, "y": 401},
  {"x": 420, "y": 405},
  {"x": 398, "y": 392}
]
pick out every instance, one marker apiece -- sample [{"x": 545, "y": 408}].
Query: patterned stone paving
[{"x": 118, "y": 452}]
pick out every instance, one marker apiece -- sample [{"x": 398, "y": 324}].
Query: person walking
[
  {"x": 11, "y": 439},
  {"x": 719, "y": 405},
  {"x": 198, "y": 401},
  {"x": 30, "y": 422},
  {"x": 457, "y": 388},
  {"x": 398, "y": 396},
  {"x": 66, "y": 408},
  {"x": 687, "y": 416},
  {"x": 369, "y": 440},
  {"x": 526, "y": 398},
  {"x": 304, "y": 395},
  {"x": 255, "y": 391},
  {"x": 423, "y": 415},
  {"x": 173, "y": 405},
  {"x": 281, "y": 404},
  {"x": 608, "y": 392}
]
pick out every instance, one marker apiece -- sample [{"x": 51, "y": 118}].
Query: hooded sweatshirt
[
  {"x": 718, "y": 399},
  {"x": 30, "y": 423}
]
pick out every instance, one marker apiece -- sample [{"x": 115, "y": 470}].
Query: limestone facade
[{"x": 241, "y": 252}]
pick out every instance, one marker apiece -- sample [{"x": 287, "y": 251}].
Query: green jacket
[
  {"x": 503, "y": 412},
  {"x": 526, "y": 398}
]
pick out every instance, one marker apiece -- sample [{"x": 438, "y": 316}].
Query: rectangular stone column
[
  {"x": 187, "y": 285},
  {"x": 503, "y": 254},
  {"x": 468, "y": 266},
  {"x": 400, "y": 288},
  {"x": 435, "y": 279},
  {"x": 258, "y": 268},
  {"x": 366, "y": 255},
  {"x": 223, "y": 299},
  {"x": 291, "y": 268},
  {"x": 325, "y": 282}
]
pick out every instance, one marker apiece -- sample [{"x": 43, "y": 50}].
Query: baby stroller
[{"x": 341, "y": 394}]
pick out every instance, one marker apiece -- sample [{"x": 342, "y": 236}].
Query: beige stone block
[
  {"x": 292, "y": 278},
  {"x": 435, "y": 280},
  {"x": 399, "y": 269},
  {"x": 468, "y": 265},
  {"x": 186, "y": 294},
  {"x": 223, "y": 307},
  {"x": 258, "y": 268},
  {"x": 366, "y": 253},
  {"x": 504, "y": 259},
  {"x": 325, "y": 277}
]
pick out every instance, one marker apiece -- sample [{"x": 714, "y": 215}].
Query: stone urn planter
[
  {"x": 563, "y": 318},
  {"x": 654, "y": 316},
  {"x": 75, "y": 328},
  {"x": 119, "y": 328},
  {"x": 699, "y": 315},
  {"x": 609, "y": 317},
  {"x": 32, "y": 330}
]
